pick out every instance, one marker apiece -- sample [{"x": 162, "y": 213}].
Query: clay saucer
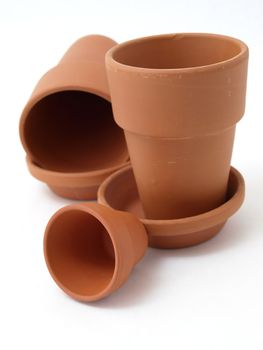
[
  {"x": 79, "y": 185},
  {"x": 119, "y": 191}
]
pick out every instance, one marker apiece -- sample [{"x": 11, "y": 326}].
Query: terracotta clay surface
[
  {"x": 79, "y": 186},
  {"x": 120, "y": 192},
  {"x": 178, "y": 99},
  {"x": 67, "y": 127},
  {"x": 91, "y": 249}
]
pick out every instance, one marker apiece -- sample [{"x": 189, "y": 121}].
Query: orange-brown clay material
[
  {"x": 119, "y": 192},
  {"x": 77, "y": 186},
  {"x": 91, "y": 249},
  {"x": 67, "y": 126},
  {"x": 178, "y": 98}
]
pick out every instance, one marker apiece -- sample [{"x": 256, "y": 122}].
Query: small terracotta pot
[
  {"x": 178, "y": 99},
  {"x": 119, "y": 191},
  {"x": 91, "y": 249},
  {"x": 67, "y": 127}
]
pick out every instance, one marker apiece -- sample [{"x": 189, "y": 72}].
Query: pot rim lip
[
  {"x": 43, "y": 174},
  {"x": 111, "y": 62},
  {"x": 222, "y": 212},
  {"x": 91, "y": 209}
]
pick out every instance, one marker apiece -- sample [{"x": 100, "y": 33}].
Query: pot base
[{"x": 120, "y": 192}]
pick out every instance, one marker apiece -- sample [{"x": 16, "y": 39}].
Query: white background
[{"x": 206, "y": 297}]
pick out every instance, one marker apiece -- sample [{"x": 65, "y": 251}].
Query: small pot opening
[
  {"x": 80, "y": 253},
  {"x": 177, "y": 51},
  {"x": 74, "y": 131}
]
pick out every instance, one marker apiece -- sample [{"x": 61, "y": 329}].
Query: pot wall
[{"x": 177, "y": 178}]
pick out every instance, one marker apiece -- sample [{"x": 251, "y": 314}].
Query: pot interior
[
  {"x": 80, "y": 253},
  {"x": 74, "y": 131},
  {"x": 177, "y": 51}
]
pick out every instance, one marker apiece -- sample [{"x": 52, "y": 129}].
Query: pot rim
[{"x": 112, "y": 62}]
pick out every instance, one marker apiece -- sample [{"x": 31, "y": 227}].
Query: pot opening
[
  {"x": 74, "y": 131},
  {"x": 177, "y": 51},
  {"x": 80, "y": 253}
]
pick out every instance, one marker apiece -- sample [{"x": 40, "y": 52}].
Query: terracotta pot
[
  {"x": 119, "y": 191},
  {"x": 90, "y": 249},
  {"x": 67, "y": 126},
  {"x": 178, "y": 99}
]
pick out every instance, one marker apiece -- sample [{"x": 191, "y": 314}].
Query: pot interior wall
[
  {"x": 178, "y": 51},
  {"x": 80, "y": 253},
  {"x": 73, "y": 131}
]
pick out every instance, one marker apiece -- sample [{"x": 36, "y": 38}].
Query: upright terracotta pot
[
  {"x": 67, "y": 127},
  {"x": 178, "y": 99}
]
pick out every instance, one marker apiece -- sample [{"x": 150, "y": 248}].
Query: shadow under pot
[{"x": 67, "y": 127}]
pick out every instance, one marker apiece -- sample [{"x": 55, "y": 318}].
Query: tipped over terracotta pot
[
  {"x": 67, "y": 127},
  {"x": 90, "y": 249},
  {"x": 178, "y": 98}
]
